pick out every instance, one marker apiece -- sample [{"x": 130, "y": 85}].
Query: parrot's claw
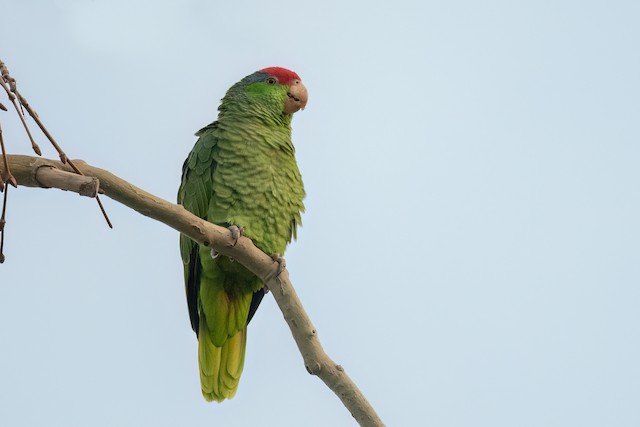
[
  {"x": 236, "y": 233},
  {"x": 282, "y": 264}
]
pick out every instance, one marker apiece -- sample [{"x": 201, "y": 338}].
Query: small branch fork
[
  {"x": 38, "y": 172},
  {"x": 20, "y": 104}
]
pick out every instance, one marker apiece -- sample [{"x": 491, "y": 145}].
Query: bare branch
[{"x": 29, "y": 172}]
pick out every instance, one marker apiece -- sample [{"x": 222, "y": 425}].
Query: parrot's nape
[{"x": 241, "y": 172}]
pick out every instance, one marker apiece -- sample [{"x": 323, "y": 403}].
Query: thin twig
[
  {"x": 12, "y": 98},
  {"x": 2, "y": 223},
  {"x": 4, "y": 158},
  {"x": 36, "y": 118},
  {"x": 104, "y": 212},
  {"x": 9, "y": 178},
  {"x": 63, "y": 156},
  {"x": 12, "y": 93}
]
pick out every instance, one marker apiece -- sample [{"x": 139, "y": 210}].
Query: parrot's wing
[{"x": 194, "y": 194}]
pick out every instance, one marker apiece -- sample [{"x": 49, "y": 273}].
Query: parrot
[{"x": 241, "y": 174}]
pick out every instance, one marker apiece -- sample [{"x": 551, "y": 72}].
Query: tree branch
[{"x": 38, "y": 172}]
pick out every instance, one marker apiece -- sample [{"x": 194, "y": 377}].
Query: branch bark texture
[{"x": 37, "y": 172}]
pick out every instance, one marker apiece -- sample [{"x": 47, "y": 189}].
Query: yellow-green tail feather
[{"x": 220, "y": 367}]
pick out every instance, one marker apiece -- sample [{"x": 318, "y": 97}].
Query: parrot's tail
[{"x": 220, "y": 367}]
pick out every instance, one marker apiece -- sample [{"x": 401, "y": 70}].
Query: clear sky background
[{"x": 470, "y": 252}]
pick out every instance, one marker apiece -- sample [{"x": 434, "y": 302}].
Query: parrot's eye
[{"x": 271, "y": 80}]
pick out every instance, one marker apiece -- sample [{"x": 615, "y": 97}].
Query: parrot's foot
[
  {"x": 236, "y": 233},
  {"x": 282, "y": 264}
]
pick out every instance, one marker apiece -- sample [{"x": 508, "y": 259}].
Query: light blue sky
[{"x": 470, "y": 252}]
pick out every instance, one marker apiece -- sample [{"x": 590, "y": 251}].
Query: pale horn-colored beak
[{"x": 296, "y": 97}]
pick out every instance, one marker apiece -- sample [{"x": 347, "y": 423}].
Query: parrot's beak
[{"x": 296, "y": 97}]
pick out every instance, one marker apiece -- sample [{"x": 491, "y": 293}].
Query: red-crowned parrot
[{"x": 242, "y": 173}]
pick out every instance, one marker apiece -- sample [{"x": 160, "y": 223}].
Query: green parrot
[{"x": 241, "y": 174}]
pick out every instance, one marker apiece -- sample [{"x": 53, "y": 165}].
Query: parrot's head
[
  {"x": 278, "y": 80},
  {"x": 274, "y": 89}
]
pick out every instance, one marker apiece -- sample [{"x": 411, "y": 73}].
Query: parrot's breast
[{"x": 257, "y": 184}]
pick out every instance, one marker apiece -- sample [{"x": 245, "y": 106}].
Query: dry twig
[
  {"x": 9, "y": 85},
  {"x": 2, "y": 223}
]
